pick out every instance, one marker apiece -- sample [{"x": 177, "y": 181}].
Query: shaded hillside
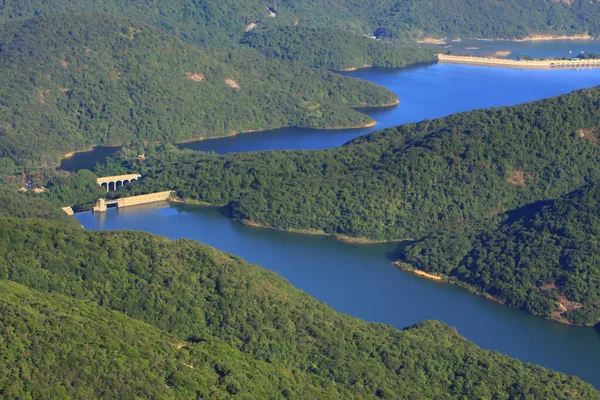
[
  {"x": 403, "y": 182},
  {"x": 218, "y": 327},
  {"x": 18, "y": 205},
  {"x": 76, "y": 349},
  {"x": 333, "y": 48},
  {"x": 546, "y": 261},
  {"x": 72, "y": 82},
  {"x": 223, "y": 23}
]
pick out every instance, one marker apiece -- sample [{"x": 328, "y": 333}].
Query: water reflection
[{"x": 360, "y": 280}]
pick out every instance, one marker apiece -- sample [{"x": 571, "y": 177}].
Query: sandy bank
[
  {"x": 71, "y": 154},
  {"x": 354, "y": 68},
  {"x": 314, "y": 232},
  {"x": 337, "y": 128},
  {"x": 423, "y": 274},
  {"x": 556, "y": 317},
  {"x": 254, "y": 224},
  {"x": 431, "y": 40},
  {"x": 537, "y": 38}
]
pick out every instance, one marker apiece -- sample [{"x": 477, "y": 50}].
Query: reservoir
[
  {"x": 359, "y": 279},
  {"x": 425, "y": 92},
  {"x": 510, "y": 49}
]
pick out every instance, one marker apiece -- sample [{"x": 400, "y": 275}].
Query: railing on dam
[
  {"x": 114, "y": 182},
  {"x": 102, "y": 204}
]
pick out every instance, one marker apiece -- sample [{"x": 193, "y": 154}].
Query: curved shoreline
[
  {"x": 534, "y": 38},
  {"x": 371, "y": 124},
  {"x": 312, "y": 232},
  {"x": 445, "y": 279}
]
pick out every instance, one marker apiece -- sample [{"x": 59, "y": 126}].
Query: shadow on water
[
  {"x": 397, "y": 252},
  {"x": 359, "y": 279},
  {"x": 87, "y": 159}
]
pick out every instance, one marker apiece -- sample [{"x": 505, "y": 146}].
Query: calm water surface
[
  {"x": 360, "y": 280},
  {"x": 537, "y": 49},
  {"x": 425, "y": 92}
]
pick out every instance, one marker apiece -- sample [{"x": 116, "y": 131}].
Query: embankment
[{"x": 527, "y": 64}]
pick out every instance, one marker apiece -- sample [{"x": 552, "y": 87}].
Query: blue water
[
  {"x": 537, "y": 49},
  {"x": 361, "y": 281},
  {"x": 425, "y": 92}
]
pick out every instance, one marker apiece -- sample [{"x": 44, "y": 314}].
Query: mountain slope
[
  {"x": 546, "y": 261},
  {"x": 56, "y": 347},
  {"x": 70, "y": 82},
  {"x": 205, "y": 297},
  {"x": 224, "y": 23},
  {"x": 404, "y": 182},
  {"x": 334, "y": 49}
]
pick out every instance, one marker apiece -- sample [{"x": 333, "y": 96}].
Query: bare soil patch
[
  {"x": 589, "y": 134},
  {"x": 431, "y": 40},
  {"x": 517, "y": 178},
  {"x": 231, "y": 83},
  {"x": 194, "y": 77}
]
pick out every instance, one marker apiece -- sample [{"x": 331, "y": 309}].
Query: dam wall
[
  {"x": 527, "y": 64},
  {"x": 102, "y": 204}
]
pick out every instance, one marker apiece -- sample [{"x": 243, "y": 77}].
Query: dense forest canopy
[
  {"x": 444, "y": 183},
  {"x": 19, "y": 205},
  {"x": 126, "y": 314},
  {"x": 546, "y": 261},
  {"x": 334, "y": 49},
  {"x": 404, "y": 182},
  {"x": 224, "y": 22},
  {"x": 70, "y": 82}
]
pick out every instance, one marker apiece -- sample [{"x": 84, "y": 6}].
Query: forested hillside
[
  {"x": 69, "y": 82},
  {"x": 334, "y": 49},
  {"x": 18, "y": 205},
  {"x": 126, "y": 314},
  {"x": 404, "y": 182},
  {"x": 77, "y": 349},
  {"x": 546, "y": 261},
  {"x": 224, "y": 22}
]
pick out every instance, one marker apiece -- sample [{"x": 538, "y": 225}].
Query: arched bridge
[{"x": 115, "y": 182}]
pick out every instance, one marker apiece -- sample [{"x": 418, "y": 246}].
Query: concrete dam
[
  {"x": 527, "y": 64},
  {"x": 103, "y": 204}
]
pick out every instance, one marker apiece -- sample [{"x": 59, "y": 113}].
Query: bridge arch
[{"x": 115, "y": 182}]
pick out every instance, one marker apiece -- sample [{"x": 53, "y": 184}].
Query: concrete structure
[
  {"x": 115, "y": 182},
  {"x": 102, "y": 204},
  {"x": 504, "y": 62}
]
